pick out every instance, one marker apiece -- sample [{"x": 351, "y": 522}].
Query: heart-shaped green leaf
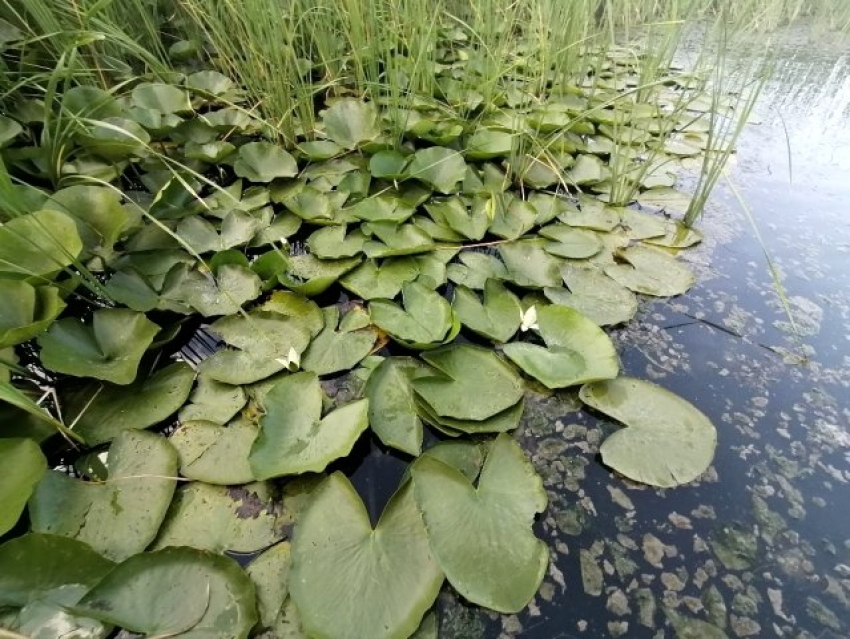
[
  {"x": 294, "y": 438},
  {"x": 240, "y": 519},
  {"x": 577, "y": 350},
  {"x": 474, "y": 269},
  {"x": 594, "y": 295},
  {"x": 176, "y": 592},
  {"x": 512, "y": 217},
  {"x": 213, "y": 401},
  {"x": 109, "y": 348},
  {"x": 571, "y": 242},
  {"x": 424, "y": 319},
  {"x": 438, "y": 167},
  {"x": 215, "y": 454},
  {"x": 36, "y": 564},
  {"x": 26, "y": 311},
  {"x": 121, "y": 516},
  {"x": 651, "y": 272},
  {"x": 335, "y": 350},
  {"x": 497, "y": 318},
  {"x": 486, "y": 144},
  {"x": 391, "y": 240},
  {"x": 351, "y": 581},
  {"x": 350, "y": 123},
  {"x": 392, "y": 405},
  {"x": 270, "y": 574},
  {"x": 529, "y": 265},
  {"x": 474, "y": 383},
  {"x": 310, "y": 276},
  {"x": 263, "y": 162},
  {"x": 668, "y": 442},
  {"x": 372, "y": 280},
  {"x": 471, "y": 224},
  {"x": 101, "y": 411},
  {"x": 23, "y": 466},
  {"x": 333, "y": 242},
  {"x": 161, "y": 97},
  {"x": 221, "y": 293},
  {"x": 97, "y": 211},
  {"x": 237, "y": 229},
  {"x": 38, "y": 244},
  {"x": 505, "y": 565}
]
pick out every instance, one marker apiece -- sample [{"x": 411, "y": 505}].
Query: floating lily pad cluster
[{"x": 443, "y": 274}]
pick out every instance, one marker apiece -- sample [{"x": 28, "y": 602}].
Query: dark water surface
[{"x": 760, "y": 545}]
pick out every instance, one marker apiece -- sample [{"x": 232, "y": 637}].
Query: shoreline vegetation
[{"x": 388, "y": 221}]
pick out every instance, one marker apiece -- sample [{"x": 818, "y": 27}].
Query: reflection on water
[{"x": 760, "y": 546}]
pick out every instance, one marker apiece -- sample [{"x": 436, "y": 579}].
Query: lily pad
[
  {"x": 577, "y": 350},
  {"x": 36, "y": 564},
  {"x": 668, "y": 442},
  {"x": 38, "y": 244},
  {"x": 161, "y": 97},
  {"x": 651, "y": 272},
  {"x": 23, "y": 466},
  {"x": 487, "y": 144},
  {"x": 101, "y": 411},
  {"x": 121, "y": 516},
  {"x": 350, "y": 123},
  {"x": 270, "y": 574},
  {"x": 594, "y": 295},
  {"x": 425, "y": 318},
  {"x": 263, "y": 162},
  {"x": 474, "y": 269},
  {"x": 529, "y": 265},
  {"x": 499, "y": 316},
  {"x": 511, "y": 220},
  {"x": 474, "y": 383},
  {"x": 392, "y": 240},
  {"x": 471, "y": 224},
  {"x": 351, "y": 581},
  {"x": 294, "y": 438},
  {"x": 213, "y": 401},
  {"x": 438, "y": 167},
  {"x": 222, "y": 292},
  {"x": 109, "y": 348},
  {"x": 97, "y": 211},
  {"x": 569, "y": 242},
  {"x": 334, "y": 350},
  {"x": 213, "y": 453},
  {"x": 26, "y": 311},
  {"x": 503, "y": 569},
  {"x": 384, "y": 279},
  {"x": 176, "y": 592},
  {"x": 311, "y": 276},
  {"x": 392, "y": 405},
  {"x": 334, "y": 242}
]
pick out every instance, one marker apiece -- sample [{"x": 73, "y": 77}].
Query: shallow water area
[{"x": 759, "y": 546}]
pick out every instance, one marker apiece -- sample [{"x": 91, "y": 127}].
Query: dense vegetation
[{"x": 391, "y": 220}]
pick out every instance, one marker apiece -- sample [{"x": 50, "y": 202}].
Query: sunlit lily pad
[
  {"x": 651, "y": 272},
  {"x": 474, "y": 269},
  {"x": 161, "y": 97},
  {"x": 506, "y": 565},
  {"x": 109, "y": 348},
  {"x": 97, "y": 211},
  {"x": 294, "y": 437},
  {"x": 424, "y": 319},
  {"x": 351, "y": 581},
  {"x": 222, "y": 292},
  {"x": 667, "y": 441},
  {"x": 577, "y": 350},
  {"x": 666, "y": 198},
  {"x": 486, "y": 144},
  {"x": 470, "y": 223},
  {"x": 512, "y": 217},
  {"x": 176, "y": 592},
  {"x": 310, "y": 276},
  {"x": 334, "y": 242},
  {"x": 120, "y": 517},
  {"x": 100, "y": 411},
  {"x": 458, "y": 391},
  {"x": 497, "y": 318}
]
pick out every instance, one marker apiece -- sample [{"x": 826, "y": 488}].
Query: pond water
[{"x": 760, "y": 545}]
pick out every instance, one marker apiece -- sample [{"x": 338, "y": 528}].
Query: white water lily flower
[
  {"x": 529, "y": 319},
  {"x": 292, "y": 361}
]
